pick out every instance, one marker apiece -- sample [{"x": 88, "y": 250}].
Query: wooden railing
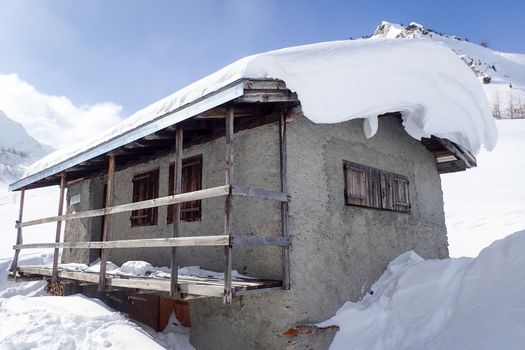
[{"x": 228, "y": 239}]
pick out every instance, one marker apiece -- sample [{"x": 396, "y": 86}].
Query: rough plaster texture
[
  {"x": 256, "y": 164},
  {"x": 338, "y": 251}
]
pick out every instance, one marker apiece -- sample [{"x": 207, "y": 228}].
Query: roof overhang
[{"x": 242, "y": 91}]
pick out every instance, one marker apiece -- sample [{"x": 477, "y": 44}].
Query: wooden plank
[
  {"x": 193, "y": 287},
  {"x": 104, "y": 254},
  {"x": 284, "y": 204},
  {"x": 451, "y": 167},
  {"x": 264, "y": 84},
  {"x": 458, "y": 152},
  {"x": 261, "y": 96},
  {"x": 19, "y": 238},
  {"x": 175, "y": 232},
  {"x": 197, "y": 241},
  {"x": 254, "y": 192},
  {"x": 228, "y": 206},
  {"x": 59, "y": 225},
  {"x": 284, "y": 241},
  {"x": 151, "y": 203}
]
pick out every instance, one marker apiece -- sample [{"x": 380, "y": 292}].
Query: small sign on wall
[{"x": 74, "y": 199}]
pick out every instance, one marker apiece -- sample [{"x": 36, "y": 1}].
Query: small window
[
  {"x": 145, "y": 186},
  {"x": 191, "y": 181},
  {"x": 374, "y": 188}
]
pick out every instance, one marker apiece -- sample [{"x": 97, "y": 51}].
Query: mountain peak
[
  {"x": 502, "y": 74},
  {"x": 17, "y": 149}
]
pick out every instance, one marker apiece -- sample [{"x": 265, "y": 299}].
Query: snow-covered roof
[{"x": 434, "y": 90}]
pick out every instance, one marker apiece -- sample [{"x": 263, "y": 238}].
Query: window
[
  {"x": 145, "y": 186},
  {"x": 374, "y": 188},
  {"x": 191, "y": 181}
]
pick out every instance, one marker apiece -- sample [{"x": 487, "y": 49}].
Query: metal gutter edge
[{"x": 214, "y": 99}]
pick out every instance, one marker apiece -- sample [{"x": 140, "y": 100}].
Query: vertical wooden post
[
  {"x": 284, "y": 205},
  {"x": 19, "y": 239},
  {"x": 177, "y": 182},
  {"x": 228, "y": 206},
  {"x": 104, "y": 254},
  {"x": 59, "y": 226}
]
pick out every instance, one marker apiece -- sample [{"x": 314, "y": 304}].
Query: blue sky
[{"x": 135, "y": 52}]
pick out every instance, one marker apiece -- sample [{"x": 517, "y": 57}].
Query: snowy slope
[
  {"x": 506, "y": 71},
  {"x": 17, "y": 149},
  {"x": 488, "y": 202},
  {"x": 467, "y": 303}
]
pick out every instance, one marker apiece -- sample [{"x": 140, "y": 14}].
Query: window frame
[
  {"x": 151, "y": 214},
  {"x": 187, "y": 208},
  {"x": 384, "y": 190}
]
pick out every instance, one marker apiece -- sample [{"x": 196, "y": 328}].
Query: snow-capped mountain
[
  {"x": 17, "y": 149},
  {"x": 502, "y": 74}
]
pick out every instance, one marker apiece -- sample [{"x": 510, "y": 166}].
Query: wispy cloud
[{"x": 54, "y": 120}]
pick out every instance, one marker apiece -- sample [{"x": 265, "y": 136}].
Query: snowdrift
[
  {"x": 467, "y": 303},
  {"x": 342, "y": 80}
]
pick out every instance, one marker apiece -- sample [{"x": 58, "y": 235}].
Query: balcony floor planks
[{"x": 197, "y": 286}]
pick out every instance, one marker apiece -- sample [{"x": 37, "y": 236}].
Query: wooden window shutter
[
  {"x": 386, "y": 191},
  {"x": 356, "y": 183},
  {"x": 145, "y": 186},
  {"x": 370, "y": 187},
  {"x": 374, "y": 190},
  {"x": 400, "y": 193},
  {"x": 191, "y": 181}
]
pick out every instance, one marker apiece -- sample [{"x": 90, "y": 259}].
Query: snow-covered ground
[
  {"x": 488, "y": 202},
  {"x": 30, "y": 319}
]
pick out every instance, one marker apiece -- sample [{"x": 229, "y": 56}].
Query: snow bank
[
  {"x": 466, "y": 303},
  {"x": 30, "y": 320},
  {"x": 9, "y": 288},
  {"x": 342, "y": 80},
  {"x": 73, "y": 322}
]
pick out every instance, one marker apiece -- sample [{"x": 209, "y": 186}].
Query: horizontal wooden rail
[
  {"x": 163, "y": 201},
  {"x": 255, "y": 192},
  {"x": 220, "y": 240},
  {"x": 157, "y": 202},
  {"x": 278, "y": 241},
  {"x": 196, "y": 241}
]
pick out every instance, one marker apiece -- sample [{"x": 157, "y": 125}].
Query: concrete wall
[
  {"x": 338, "y": 251},
  {"x": 258, "y": 167}
]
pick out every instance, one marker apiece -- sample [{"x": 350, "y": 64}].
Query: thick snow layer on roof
[{"x": 342, "y": 80}]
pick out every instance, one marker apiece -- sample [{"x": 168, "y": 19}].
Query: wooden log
[
  {"x": 59, "y": 226},
  {"x": 258, "y": 96},
  {"x": 254, "y": 192},
  {"x": 150, "y": 203},
  {"x": 228, "y": 206},
  {"x": 284, "y": 205},
  {"x": 19, "y": 238},
  {"x": 177, "y": 176},
  {"x": 197, "y": 241},
  {"x": 104, "y": 254}
]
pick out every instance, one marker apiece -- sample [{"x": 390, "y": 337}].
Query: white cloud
[{"x": 54, "y": 120}]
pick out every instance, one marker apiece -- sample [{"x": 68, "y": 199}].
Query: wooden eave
[
  {"x": 255, "y": 102},
  {"x": 450, "y": 157}
]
